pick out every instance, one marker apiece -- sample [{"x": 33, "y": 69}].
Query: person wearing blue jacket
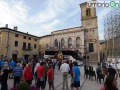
[
  {"x": 10, "y": 69},
  {"x": 2, "y": 64},
  {"x": 12, "y": 65}
]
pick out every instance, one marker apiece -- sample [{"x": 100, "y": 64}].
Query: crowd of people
[
  {"x": 41, "y": 70},
  {"x": 111, "y": 77}
]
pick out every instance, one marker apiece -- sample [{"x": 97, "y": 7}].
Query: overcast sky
[{"x": 40, "y": 17}]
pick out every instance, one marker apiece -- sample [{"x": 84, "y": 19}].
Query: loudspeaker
[
  {"x": 84, "y": 57},
  {"x": 87, "y": 57}
]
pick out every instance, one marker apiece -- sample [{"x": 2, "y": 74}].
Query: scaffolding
[{"x": 112, "y": 34}]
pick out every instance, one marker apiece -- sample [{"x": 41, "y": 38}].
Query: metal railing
[
  {"x": 68, "y": 47},
  {"x": 26, "y": 48}
]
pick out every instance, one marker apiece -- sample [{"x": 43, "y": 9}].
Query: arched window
[
  {"x": 77, "y": 42},
  {"x": 56, "y": 43},
  {"x": 62, "y": 43},
  {"x": 88, "y": 12},
  {"x": 69, "y": 42}
]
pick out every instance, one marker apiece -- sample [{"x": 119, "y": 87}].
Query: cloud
[
  {"x": 36, "y": 32},
  {"x": 56, "y": 12},
  {"x": 101, "y": 36},
  {"x": 44, "y": 16},
  {"x": 103, "y": 12},
  {"x": 50, "y": 26},
  {"x": 54, "y": 9},
  {"x": 13, "y": 12},
  {"x": 71, "y": 14}
]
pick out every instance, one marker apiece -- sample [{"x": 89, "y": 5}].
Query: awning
[
  {"x": 26, "y": 53},
  {"x": 35, "y": 53},
  {"x": 15, "y": 52}
]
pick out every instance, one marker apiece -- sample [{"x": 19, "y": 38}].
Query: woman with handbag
[
  {"x": 110, "y": 84},
  {"x": 27, "y": 74}
]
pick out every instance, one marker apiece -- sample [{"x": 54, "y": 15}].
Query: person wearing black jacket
[
  {"x": 59, "y": 64},
  {"x": 4, "y": 77},
  {"x": 112, "y": 72},
  {"x": 76, "y": 62},
  {"x": 70, "y": 65}
]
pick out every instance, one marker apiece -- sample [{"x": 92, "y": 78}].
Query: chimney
[
  {"x": 15, "y": 28},
  {"x": 27, "y": 32},
  {"x": 6, "y": 25}
]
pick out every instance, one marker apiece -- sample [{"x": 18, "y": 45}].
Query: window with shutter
[
  {"x": 88, "y": 12},
  {"x": 16, "y": 35},
  {"x": 91, "y": 47},
  {"x": 34, "y": 46},
  {"x": 16, "y": 43}
]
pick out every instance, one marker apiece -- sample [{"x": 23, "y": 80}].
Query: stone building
[
  {"x": 16, "y": 44},
  {"x": 44, "y": 43},
  {"x": 84, "y": 38}
]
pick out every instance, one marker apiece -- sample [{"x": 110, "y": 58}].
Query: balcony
[
  {"x": 26, "y": 48},
  {"x": 69, "y": 47}
]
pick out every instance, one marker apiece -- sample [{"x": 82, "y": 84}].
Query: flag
[
  {"x": 56, "y": 55},
  {"x": 64, "y": 44}
]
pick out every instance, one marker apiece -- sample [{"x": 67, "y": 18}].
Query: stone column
[
  {"x": 59, "y": 41},
  {"x": 84, "y": 50},
  {"x": 8, "y": 53},
  {"x": 66, "y": 42},
  {"x": 52, "y": 41},
  {"x": 74, "y": 42},
  {"x": 82, "y": 38}
]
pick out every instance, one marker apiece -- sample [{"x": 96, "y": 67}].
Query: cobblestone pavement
[{"x": 85, "y": 84}]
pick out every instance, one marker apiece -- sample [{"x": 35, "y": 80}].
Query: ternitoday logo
[{"x": 103, "y": 4}]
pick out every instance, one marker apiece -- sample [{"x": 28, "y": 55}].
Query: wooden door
[
  {"x": 26, "y": 57},
  {"x": 14, "y": 56},
  {"x": 34, "y": 56}
]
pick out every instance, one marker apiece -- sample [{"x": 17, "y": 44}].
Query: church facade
[{"x": 84, "y": 39}]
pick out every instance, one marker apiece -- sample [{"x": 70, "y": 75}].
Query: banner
[
  {"x": 64, "y": 44},
  {"x": 60, "y": 55}
]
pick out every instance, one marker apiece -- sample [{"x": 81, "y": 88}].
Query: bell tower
[
  {"x": 88, "y": 16},
  {"x": 91, "y": 36}
]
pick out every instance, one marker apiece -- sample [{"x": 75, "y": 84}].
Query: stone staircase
[{"x": 93, "y": 57}]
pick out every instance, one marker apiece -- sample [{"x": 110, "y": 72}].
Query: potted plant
[{"x": 24, "y": 86}]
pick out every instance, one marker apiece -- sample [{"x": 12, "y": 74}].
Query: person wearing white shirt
[
  {"x": 37, "y": 64},
  {"x": 65, "y": 69},
  {"x": 39, "y": 60},
  {"x": 55, "y": 60}
]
